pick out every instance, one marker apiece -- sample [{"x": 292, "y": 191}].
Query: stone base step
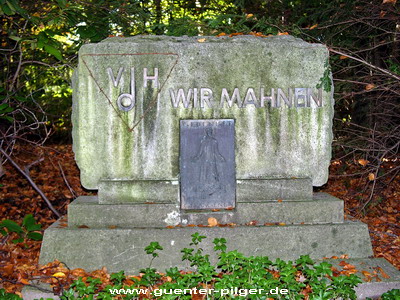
[
  {"x": 123, "y": 248},
  {"x": 119, "y": 191},
  {"x": 86, "y": 210}
]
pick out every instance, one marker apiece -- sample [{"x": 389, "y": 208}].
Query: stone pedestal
[{"x": 115, "y": 234}]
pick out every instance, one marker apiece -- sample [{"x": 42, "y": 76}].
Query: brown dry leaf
[
  {"x": 24, "y": 281},
  {"x": 348, "y": 267},
  {"x": 83, "y": 226},
  {"x": 235, "y": 34},
  {"x": 215, "y": 209},
  {"x": 371, "y": 176},
  {"x": 282, "y": 224},
  {"x": 78, "y": 272},
  {"x": 366, "y": 273},
  {"x": 229, "y": 208},
  {"x": 314, "y": 26},
  {"x": 212, "y": 222},
  {"x": 342, "y": 263},
  {"x": 283, "y": 33},
  {"x": 363, "y": 162},
  {"x": 252, "y": 223},
  {"x": 384, "y": 275},
  {"x": 280, "y": 200},
  {"x": 389, "y": 1},
  {"x": 221, "y": 34},
  {"x": 201, "y": 40},
  {"x": 112, "y": 227},
  {"x": 382, "y": 13},
  {"x": 170, "y": 227},
  {"x": 369, "y": 86},
  {"x": 343, "y": 57}
]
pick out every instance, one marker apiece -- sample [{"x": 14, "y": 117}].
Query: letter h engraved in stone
[{"x": 154, "y": 78}]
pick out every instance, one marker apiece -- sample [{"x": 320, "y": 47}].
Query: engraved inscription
[
  {"x": 207, "y": 164},
  {"x": 207, "y": 97}
]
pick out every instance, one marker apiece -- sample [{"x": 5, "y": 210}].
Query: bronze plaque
[{"x": 207, "y": 164}]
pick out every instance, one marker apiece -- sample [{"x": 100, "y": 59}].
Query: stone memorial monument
[{"x": 173, "y": 131}]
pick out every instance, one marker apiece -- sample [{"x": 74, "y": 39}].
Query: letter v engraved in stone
[{"x": 119, "y": 75}]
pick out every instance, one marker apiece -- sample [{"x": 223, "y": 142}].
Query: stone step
[
  {"x": 123, "y": 248},
  {"x": 86, "y": 210},
  {"x": 115, "y": 191},
  {"x": 372, "y": 289}
]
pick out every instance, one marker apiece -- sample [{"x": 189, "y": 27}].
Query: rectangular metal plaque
[{"x": 207, "y": 164}]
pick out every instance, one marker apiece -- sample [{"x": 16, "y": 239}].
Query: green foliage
[
  {"x": 236, "y": 271},
  {"x": 8, "y": 296},
  {"x": 28, "y": 230},
  {"x": 392, "y": 294},
  {"x": 325, "y": 81}
]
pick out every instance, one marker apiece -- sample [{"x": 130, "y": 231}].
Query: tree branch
[{"x": 32, "y": 183}]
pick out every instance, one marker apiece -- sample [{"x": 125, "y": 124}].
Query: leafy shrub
[{"x": 28, "y": 229}]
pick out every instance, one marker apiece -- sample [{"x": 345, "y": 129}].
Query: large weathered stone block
[{"x": 131, "y": 93}]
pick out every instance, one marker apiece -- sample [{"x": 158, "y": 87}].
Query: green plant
[
  {"x": 233, "y": 276},
  {"x": 390, "y": 295},
  {"x": 8, "y": 296},
  {"x": 28, "y": 229},
  {"x": 326, "y": 81}
]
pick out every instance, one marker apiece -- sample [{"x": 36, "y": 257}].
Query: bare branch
[{"x": 32, "y": 183}]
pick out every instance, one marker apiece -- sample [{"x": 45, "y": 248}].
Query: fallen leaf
[
  {"x": 383, "y": 273},
  {"x": 59, "y": 274},
  {"x": 201, "y": 40},
  {"x": 235, "y": 34},
  {"x": 343, "y": 57},
  {"x": 363, "y": 162},
  {"x": 366, "y": 273},
  {"x": 221, "y": 34},
  {"x": 371, "y": 176},
  {"x": 112, "y": 227},
  {"x": 280, "y": 200},
  {"x": 83, "y": 226},
  {"x": 348, "y": 267},
  {"x": 24, "y": 281},
  {"x": 212, "y": 222},
  {"x": 314, "y": 26},
  {"x": 283, "y": 33},
  {"x": 252, "y": 223},
  {"x": 282, "y": 224},
  {"x": 389, "y": 1},
  {"x": 369, "y": 86}
]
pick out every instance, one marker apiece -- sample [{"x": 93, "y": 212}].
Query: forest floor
[{"x": 58, "y": 177}]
